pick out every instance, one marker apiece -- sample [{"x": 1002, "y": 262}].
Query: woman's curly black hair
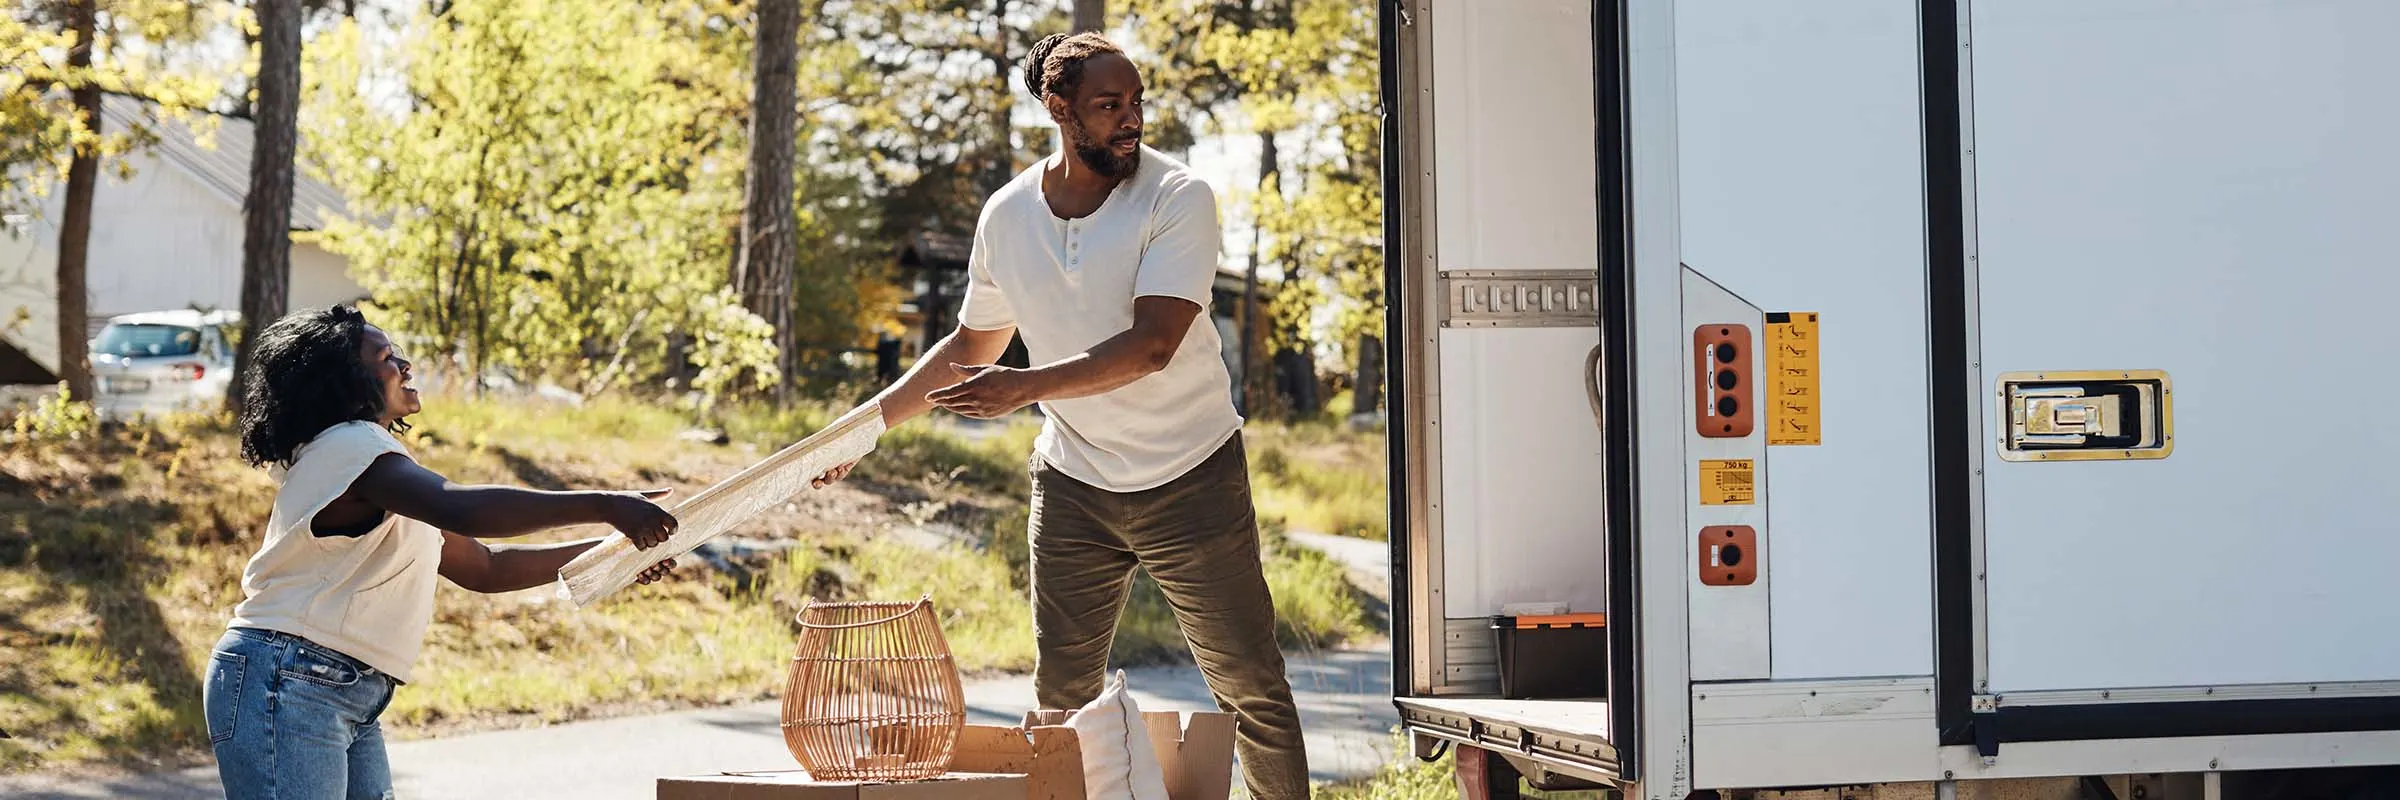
[
  {"x": 307, "y": 375},
  {"x": 1056, "y": 64}
]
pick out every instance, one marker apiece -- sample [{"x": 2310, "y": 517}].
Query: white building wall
[{"x": 160, "y": 240}]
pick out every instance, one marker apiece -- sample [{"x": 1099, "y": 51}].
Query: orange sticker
[
  {"x": 1728, "y": 481},
  {"x": 1793, "y": 416}
]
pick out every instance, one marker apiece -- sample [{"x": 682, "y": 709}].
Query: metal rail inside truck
[{"x": 1933, "y": 396}]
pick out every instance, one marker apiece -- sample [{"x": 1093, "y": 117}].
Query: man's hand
[
  {"x": 985, "y": 391},
  {"x": 833, "y": 476},
  {"x": 635, "y": 515}
]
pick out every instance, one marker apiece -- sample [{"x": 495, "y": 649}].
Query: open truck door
[
  {"x": 1914, "y": 395},
  {"x": 1501, "y": 219}
]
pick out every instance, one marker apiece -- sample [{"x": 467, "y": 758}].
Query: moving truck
[{"x": 1932, "y": 396}]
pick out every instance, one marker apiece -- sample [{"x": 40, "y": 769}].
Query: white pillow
[{"x": 1117, "y": 760}]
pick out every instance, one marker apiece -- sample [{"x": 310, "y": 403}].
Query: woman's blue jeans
[{"x": 289, "y": 718}]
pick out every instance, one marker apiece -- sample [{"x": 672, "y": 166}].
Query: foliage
[
  {"x": 1305, "y": 73},
  {"x": 57, "y": 416},
  {"x": 557, "y": 198},
  {"x": 925, "y": 100},
  {"x": 40, "y": 129},
  {"x": 1320, "y": 77},
  {"x": 907, "y": 119},
  {"x": 561, "y": 193},
  {"x": 37, "y": 126}
]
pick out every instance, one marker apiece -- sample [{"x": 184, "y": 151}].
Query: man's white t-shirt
[{"x": 1068, "y": 285}]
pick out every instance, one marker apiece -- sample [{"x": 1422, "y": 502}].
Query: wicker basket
[{"x": 874, "y": 693}]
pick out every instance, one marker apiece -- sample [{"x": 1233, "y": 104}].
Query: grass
[
  {"x": 985, "y": 615},
  {"x": 695, "y": 641},
  {"x": 1411, "y": 779},
  {"x": 1317, "y": 477},
  {"x": 121, "y": 551},
  {"x": 112, "y": 568},
  {"x": 1313, "y": 475},
  {"x": 923, "y": 452},
  {"x": 1315, "y": 603},
  {"x": 484, "y": 423}
]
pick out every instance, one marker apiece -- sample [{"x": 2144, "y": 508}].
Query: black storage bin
[{"x": 1554, "y": 657}]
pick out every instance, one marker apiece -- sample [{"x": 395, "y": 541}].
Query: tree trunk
[
  {"x": 1003, "y": 164},
  {"x": 936, "y": 310},
  {"x": 1366, "y": 395},
  {"x": 1297, "y": 375},
  {"x": 267, "y": 209},
  {"x": 1253, "y": 378},
  {"x": 75, "y": 234},
  {"x": 768, "y": 246},
  {"x": 1090, "y": 15}
]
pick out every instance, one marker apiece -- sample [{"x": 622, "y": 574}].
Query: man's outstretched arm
[
  {"x": 986, "y": 391},
  {"x": 905, "y": 400}
]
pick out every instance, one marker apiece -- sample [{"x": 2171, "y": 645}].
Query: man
[{"x": 1102, "y": 257}]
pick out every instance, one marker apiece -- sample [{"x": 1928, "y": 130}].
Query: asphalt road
[{"x": 1344, "y": 697}]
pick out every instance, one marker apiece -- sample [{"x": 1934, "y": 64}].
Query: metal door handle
[{"x": 1591, "y": 385}]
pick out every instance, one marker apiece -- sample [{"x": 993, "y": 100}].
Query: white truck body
[{"x": 2161, "y": 219}]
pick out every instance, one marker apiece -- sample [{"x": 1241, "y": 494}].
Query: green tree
[
  {"x": 1301, "y": 73},
  {"x": 911, "y": 131},
  {"x": 1208, "y": 54},
  {"x": 555, "y": 198},
  {"x": 1321, "y": 78}
]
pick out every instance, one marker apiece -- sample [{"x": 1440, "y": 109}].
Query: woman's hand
[
  {"x": 656, "y": 572},
  {"x": 493, "y": 569},
  {"x": 635, "y": 515}
]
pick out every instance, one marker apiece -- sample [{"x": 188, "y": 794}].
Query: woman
[{"x": 336, "y": 602}]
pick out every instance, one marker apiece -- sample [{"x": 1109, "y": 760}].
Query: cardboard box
[
  {"x": 796, "y": 785},
  {"x": 1050, "y": 757},
  {"x": 1195, "y": 751}
]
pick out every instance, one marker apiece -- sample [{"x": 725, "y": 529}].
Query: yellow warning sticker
[
  {"x": 1728, "y": 481},
  {"x": 1792, "y": 412}
]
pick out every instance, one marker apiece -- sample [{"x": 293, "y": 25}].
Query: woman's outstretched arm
[
  {"x": 398, "y": 484},
  {"x": 493, "y": 569}
]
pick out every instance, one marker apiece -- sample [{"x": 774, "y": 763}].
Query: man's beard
[{"x": 1102, "y": 159}]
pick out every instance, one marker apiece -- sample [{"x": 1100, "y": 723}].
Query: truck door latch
[{"x": 2086, "y": 416}]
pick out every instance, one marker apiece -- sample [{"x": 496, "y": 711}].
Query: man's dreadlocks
[{"x": 1056, "y": 64}]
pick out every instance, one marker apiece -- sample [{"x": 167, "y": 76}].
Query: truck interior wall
[
  {"x": 2204, "y": 187},
  {"x": 1521, "y": 454},
  {"x": 1797, "y": 125}
]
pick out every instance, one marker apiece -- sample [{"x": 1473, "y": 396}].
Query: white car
[{"x": 162, "y": 361}]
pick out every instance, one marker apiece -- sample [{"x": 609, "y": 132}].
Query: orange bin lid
[{"x": 1587, "y": 620}]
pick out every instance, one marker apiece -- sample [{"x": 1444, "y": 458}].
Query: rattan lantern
[{"x": 874, "y": 693}]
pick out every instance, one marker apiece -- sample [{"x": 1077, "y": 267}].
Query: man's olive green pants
[{"x": 1198, "y": 538}]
